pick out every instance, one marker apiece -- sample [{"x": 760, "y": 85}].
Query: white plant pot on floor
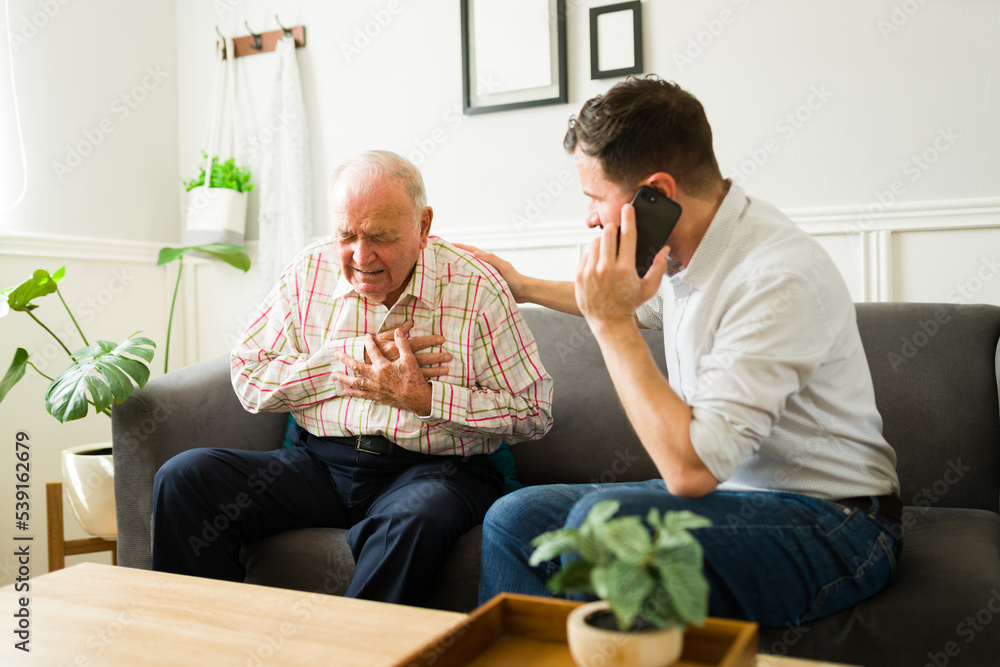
[
  {"x": 89, "y": 477},
  {"x": 590, "y": 645}
]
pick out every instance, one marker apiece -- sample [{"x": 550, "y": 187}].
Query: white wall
[
  {"x": 97, "y": 84},
  {"x": 845, "y": 170}
]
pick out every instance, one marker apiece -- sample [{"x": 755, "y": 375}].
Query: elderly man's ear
[{"x": 425, "y": 225}]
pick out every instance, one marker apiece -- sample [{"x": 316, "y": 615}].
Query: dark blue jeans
[
  {"x": 403, "y": 515},
  {"x": 772, "y": 558}
]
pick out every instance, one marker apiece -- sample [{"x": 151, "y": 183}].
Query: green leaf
[
  {"x": 600, "y": 513},
  {"x": 682, "y": 577},
  {"x": 628, "y": 539},
  {"x": 591, "y": 549},
  {"x": 574, "y": 577},
  {"x": 15, "y": 372},
  {"x": 628, "y": 587},
  {"x": 553, "y": 543},
  {"x": 225, "y": 175},
  {"x": 684, "y": 520},
  {"x": 102, "y": 371},
  {"x": 233, "y": 255},
  {"x": 658, "y": 608},
  {"x": 40, "y": 284},
  {"x": 599, "y": 580}
]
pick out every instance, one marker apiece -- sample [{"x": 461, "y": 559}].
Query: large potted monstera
[{"x": 99, "y": 374}]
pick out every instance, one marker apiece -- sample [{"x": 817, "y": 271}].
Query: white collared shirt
[{"x": 762, "y": 342}]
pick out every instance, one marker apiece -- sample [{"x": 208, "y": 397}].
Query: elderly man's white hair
[{"x": 385, "y": 163}]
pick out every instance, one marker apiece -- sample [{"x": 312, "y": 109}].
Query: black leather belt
[
  {"x": 376, "y": 444},
  {"x": 890, "y": 506}
]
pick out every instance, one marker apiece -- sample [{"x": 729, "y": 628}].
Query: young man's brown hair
[{"x": 645, "y": 125}]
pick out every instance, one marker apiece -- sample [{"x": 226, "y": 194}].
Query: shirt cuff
[{"x": 442, "y": 403}]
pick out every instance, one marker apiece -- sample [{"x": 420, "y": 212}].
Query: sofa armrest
[{"x": 184, "y": 409}]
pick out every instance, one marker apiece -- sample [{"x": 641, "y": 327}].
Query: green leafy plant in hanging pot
[
  {"x": 226, "y": 174},
  {"x": 648, "y": 577},
  {"x": 217, "y": 202}
]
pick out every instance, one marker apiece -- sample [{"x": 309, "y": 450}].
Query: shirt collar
[
  {"x": 423, "y": 283},
  {"x": 713, "y": 245}
]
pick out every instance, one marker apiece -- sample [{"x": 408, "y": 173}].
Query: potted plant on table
[{"x": 649, "y": 580}]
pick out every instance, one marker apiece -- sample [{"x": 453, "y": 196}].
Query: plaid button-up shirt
[{"x": 496, "y": 388}]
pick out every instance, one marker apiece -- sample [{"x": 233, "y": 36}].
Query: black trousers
[{"x": 403, "y": 515}]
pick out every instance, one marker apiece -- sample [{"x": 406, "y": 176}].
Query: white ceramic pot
[
  {"x": 216, "y": 212},
  {"x": 89, "y": 477},
  {"x": 591, "y": 646}
]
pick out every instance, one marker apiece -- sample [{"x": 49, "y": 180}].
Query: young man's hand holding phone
[{"x": 655, "y": 217}]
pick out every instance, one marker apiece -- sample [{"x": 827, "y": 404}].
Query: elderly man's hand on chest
[{"x": 391, "y": 373}]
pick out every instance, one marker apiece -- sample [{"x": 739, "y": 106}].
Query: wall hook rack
[
  {"x": 248, "y": 45},
  {"x": 255, "y": 44}
]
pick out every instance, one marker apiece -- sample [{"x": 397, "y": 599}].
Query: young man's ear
[{"x": 663, "y": 183}]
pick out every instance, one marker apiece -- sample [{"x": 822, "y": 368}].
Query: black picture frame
[
  {"x": 595, "y": 40},
  {"x": 478, "y": 93}
]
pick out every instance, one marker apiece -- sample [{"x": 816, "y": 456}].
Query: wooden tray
[{"x": 527, "y": 630}]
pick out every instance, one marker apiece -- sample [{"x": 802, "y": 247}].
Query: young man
[
  {"x": 767, "y": 425},
  {"x": 391, "y": 443}
]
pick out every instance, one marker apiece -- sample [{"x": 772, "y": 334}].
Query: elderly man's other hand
[
  {"x": 430, "y": 362},
  {"x": 399, "y": 383}
]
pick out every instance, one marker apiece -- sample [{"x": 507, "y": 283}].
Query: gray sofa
[{"x": 935, "y": 369}]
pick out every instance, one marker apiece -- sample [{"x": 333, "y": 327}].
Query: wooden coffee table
[
  {"x": 92, "y": 615},
  {"x": 95, "y": 615}
]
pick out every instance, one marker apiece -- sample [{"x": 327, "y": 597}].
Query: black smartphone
[{"x": 655, "y": 217}]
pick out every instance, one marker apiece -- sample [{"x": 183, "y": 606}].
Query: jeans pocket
[{"x": 872, "y": 567}]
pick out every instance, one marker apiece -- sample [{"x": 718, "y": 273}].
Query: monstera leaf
[
  {"x": 15, "y": 372},
  {"x": 105, "y": 371},
  {"x": 41, "y": 283},
  {"x": 233, "y": 255}
]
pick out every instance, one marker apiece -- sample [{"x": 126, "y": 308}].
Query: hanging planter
[
  {"x": 217, "y": 212},
  {"x": 217, "y": 202}
]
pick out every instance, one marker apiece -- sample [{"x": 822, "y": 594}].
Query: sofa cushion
[
  {"x": 946, "y": 586},
  {"x": 935, "y": 372},
  {"x": 591, "y": 439}
]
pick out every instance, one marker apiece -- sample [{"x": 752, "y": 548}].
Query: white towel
[{"x": 285, "y": 215}]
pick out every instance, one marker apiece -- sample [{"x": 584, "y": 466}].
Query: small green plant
[
  {"x": 657, "y": 576},
  {"x": 233, "y": 255},
  {"x": 224, "y": 175},
  {"x": 98, "y": 374}
]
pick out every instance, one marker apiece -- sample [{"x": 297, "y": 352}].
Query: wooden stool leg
[
  {"x": 54, "y": 511},
  {"x": 59, "y": 546}
]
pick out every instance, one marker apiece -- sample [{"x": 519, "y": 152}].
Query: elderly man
[{"x": 393, "y": 438}]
